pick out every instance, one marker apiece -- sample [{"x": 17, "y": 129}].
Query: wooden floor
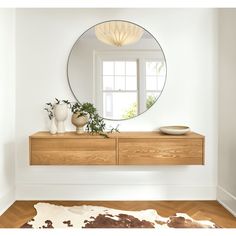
[{"x": 22, "y": 211}]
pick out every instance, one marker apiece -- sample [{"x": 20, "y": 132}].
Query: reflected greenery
[
  {"x": 150, "y": 101},
  {"x": 132, "y": 111}
]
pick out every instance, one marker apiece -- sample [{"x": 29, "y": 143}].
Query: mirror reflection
[{"x": 119, "y": 67}]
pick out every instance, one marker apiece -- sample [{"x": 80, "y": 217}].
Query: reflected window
[
  {"x": 119, "y": 79},
  {"x": 155, "y": 80},
  {"x": 128, "y": 84}
]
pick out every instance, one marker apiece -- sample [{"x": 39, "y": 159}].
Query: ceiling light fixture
[{"x": 118, "y": 33}]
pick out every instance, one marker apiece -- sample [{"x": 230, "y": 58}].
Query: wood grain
[
  {"x": 160, "y": 151},
  {"x": 55, "y": 151},
  {"x": 22, "y": 211},
  {"x": 73, "y": 158},
  {"x": 73, "y": 144},
  {"x": 125, "y": 148}
]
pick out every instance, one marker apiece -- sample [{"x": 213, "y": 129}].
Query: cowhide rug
[{"x": 53, "y": 216}]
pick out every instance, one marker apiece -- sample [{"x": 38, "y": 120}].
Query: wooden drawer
[
  {"x": 59, "y": 151},
  {"x": 168, "y": 151}
]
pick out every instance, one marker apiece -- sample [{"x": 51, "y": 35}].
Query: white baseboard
[
  {"x": 226, "y": 199},
  {"x": 114, "y": 192},
  {"x": 7, "y": 200}
]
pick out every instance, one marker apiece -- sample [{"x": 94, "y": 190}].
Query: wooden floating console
[{"x": 125, "y": 148}]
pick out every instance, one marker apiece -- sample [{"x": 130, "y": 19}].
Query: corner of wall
[
  {"x": 7, "y": 200},
  {"x": 227, "y": 200},
  {"x": 226, "y": 125},
  {"x": 8, "y": 93}
]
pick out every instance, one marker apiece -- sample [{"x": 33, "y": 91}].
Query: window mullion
[{"x": 142, "y": 86}]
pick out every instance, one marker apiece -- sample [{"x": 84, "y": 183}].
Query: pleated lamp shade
[{"x": 118, "y": 33}]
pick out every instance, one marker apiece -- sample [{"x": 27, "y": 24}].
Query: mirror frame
[{"x": 74, "y": 45}]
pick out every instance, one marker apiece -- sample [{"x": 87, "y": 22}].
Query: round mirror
[{"x": 119, "y": 67}]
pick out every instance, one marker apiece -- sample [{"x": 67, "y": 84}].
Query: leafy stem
[
  {"x": 95, "y": 123},
  {"x": 50, "y": 106}
]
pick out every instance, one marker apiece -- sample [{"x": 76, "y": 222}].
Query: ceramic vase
[
  {"x": 79, "y": 122},
  {"x": 53, "y": 126},
  {"x": 61, "y": 113}
]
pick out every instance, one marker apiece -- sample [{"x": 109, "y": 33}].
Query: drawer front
[
  {"x": 73, "y": 151},
  {"x": 161, "y": 151}
]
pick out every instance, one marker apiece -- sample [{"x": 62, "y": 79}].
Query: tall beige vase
[{"x": 61, "y": 113}]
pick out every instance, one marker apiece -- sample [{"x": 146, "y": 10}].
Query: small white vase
[
  {"x": 53, "y": 126},
  {"x": 61, "y": 113}
]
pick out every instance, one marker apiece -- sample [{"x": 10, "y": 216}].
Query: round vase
[
  {"x": 53, "y": 126},
  {"x": 61, "y": 113},
  {"x": 79, "y": 122}
]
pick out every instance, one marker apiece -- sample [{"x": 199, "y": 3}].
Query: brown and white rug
[{"x": 53, "y": 216}]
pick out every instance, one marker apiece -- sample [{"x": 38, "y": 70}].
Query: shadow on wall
[{"x": 8, "y": 167}]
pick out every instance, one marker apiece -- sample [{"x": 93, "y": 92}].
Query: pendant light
[{"x": 118, "y": 33}]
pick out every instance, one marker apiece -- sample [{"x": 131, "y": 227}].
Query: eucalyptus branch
[
  {"x": 112, "y": 130},
  {"x": 50, "y": 106}
]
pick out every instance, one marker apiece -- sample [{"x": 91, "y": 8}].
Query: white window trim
[{"x": 140, "y": 55}]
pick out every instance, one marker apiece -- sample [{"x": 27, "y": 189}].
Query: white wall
[
  {"x": 7, "y": 104},
  {"x": 189, "y": 40},
  {"x": 227, "y": 113}
]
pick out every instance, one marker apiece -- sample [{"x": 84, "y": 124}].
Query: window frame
[{"x": 141, "y": 56}]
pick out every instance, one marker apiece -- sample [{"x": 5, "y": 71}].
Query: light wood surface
[
  {"x": 125, "y": 148},
  {"x": 74, "y": 158},
  {"x": 22, "y": 211},
  {"x": 134, "y": 134},
  {"x": 53, "y": 151},
  {"x": 73, "y": 144},
  {"x": 160, "y": 151}
]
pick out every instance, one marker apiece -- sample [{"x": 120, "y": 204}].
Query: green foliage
[
  {"x": 83, "y": 109},
  {"x": 50, "y": 106},
  {"x": 96, "y": 123},
  {"x": 131, "y": 112},
  {"x": 62, "y": 101},
  {"x": 150, "y": 101}
]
